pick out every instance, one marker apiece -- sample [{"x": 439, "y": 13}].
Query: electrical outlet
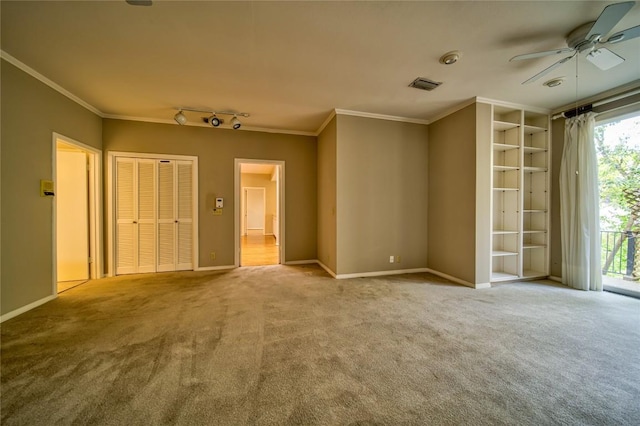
[
  {"x": 391, "y": 259},
  {"x": 397, "y": 259},
  {"x": 212, "y": 255}
]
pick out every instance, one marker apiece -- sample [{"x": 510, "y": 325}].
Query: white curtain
[{"x": 579, "y": 213}]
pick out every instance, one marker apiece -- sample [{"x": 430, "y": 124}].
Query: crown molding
[
  {"x": 512, "y": 105},
  {"x": 326, "y": 122},
  {"x": 196, "y": 124},
  {"x": 35, "y": 74},
  {"x": 380, "y": 116},
  {"x": 453, "y": 109}
]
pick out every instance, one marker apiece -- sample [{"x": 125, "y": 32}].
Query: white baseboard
[
  {"x": 380, "y": 273},
  {"x": 557, "y": 279},
  {"x": 301, "y": 262},
  {"x": 26, "y": 308},
  {"x": 326, "y": 268},
  {"x": 215, "y": 268},
  {"x": 458, "y": 280}
]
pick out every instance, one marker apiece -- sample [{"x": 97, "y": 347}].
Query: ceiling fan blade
[
  {"x": 604, "y": 58},
  {"x": 541, "y": 54},
  {"x": 548, "y": 70},
  {"x": 623, "y": 35},
  {"x": 608, "y": 19}
]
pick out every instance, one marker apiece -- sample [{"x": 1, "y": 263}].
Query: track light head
[
  {"x": 180, "y": 118},
  {"x": 215, "y": 121},
  {"x": 235, "y": 123}
]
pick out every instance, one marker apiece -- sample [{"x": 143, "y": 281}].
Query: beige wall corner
[
  {"x": 31, "y": 113},
  {"x": 327, "y": 175},
  {"x": 381, "y": 195},
  {"x": 452, "y": 195}
]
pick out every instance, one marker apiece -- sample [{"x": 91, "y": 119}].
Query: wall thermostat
[{"x": 219, "y": 203}]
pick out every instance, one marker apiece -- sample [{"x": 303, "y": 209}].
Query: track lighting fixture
[
  {"x": 213, "y": 119},
  {"x": 180, "y": 118}
]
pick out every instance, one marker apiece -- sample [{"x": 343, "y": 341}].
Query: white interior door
[
  {"x": 255, "y": 205},
  {"x": 72, "y": 216}
]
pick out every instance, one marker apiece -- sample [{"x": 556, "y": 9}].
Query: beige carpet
[{"x": 289, "y": 345}]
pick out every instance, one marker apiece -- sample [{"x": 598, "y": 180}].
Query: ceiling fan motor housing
[{"x": 577, "y": 38}]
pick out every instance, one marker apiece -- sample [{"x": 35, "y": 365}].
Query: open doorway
[
  {"x": 617, "y": 141},
  {"x": 77, "y": 231},
  {"x": 259, "y": 218}
]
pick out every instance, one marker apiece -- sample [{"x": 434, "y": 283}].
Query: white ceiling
[
  {"x": 289, "y": 64},
  {"x": 261, "y": 169}
]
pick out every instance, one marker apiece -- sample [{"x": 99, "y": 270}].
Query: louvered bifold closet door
[
  {"x": 166, "y": 216},
  {"x": 126, "y": 234},
  {"x": 146, "y": 201},
  {"x": 184, "y": 215}
]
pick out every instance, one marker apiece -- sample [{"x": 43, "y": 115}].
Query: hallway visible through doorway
[
  {"x": 259, "y": 185},
  {"x": 258, "y": 249}
]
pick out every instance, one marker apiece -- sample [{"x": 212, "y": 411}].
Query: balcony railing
[{"x": 619, "y": 253}]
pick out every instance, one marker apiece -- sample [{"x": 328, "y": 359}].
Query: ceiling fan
[{"x": 587, "y": 37}]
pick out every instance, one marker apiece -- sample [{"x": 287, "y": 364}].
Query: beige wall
[
  {"x": 452, "y": 195},
  {"x": 327, "y": 196},
  {"x": 381, "y": 194},
  {"x": 557, "y": 145},
  {"x": 256, "y": 180},
  {"x": 31, "y": 112},
  {"x": 216, "y": 150}
]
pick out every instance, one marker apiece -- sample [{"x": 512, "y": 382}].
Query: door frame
[
  {"x": 111, "y": 205},
  {"x": 244, "y": 207},
  {"x": 280, "y": 206},
  {"x": 94, "y": 155}
]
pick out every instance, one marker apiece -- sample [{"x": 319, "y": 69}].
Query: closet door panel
[
  {"x": 126, "y": 238},
  {"x": 184, "y": 215},
  {"x": 166, "y": 216},
  {"x": 185, "y": 243},
  {"x": 154, "y": 215},
  {"x": 146, "y": 190}
]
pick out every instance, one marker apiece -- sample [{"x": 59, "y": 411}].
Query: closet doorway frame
[
  {"x": 111, "y": 205},
  {"x": 96, "y": 268},
  {"x": 237, "y": 190}
]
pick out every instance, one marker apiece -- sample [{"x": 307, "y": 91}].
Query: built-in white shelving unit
[{"x": 520, "y": 194}]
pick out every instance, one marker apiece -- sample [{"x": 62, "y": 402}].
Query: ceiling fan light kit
[
  {"x": 604, "y": 58},
  {"x": 587, "y": 37},
  {"x": 213, "y": 119}
]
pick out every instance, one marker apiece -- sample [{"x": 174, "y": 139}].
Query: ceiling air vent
[{"x": 424, "y": 84}]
